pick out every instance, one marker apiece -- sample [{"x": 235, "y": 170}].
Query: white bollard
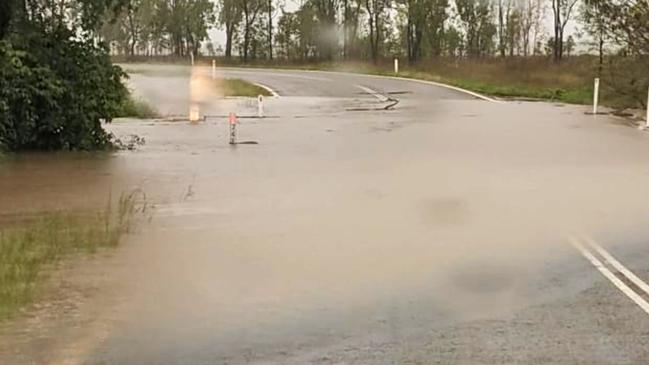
[
  {"x": 194, "y": 113},
  {"x": 213, "y": 69},
  {"x": 647, "y": 121},
  {"x": 191, "y": 56},
  {"x": 596, "y": 96},
  {"x": 260, "y": 106},
  {"x": 396, "y": 65}
]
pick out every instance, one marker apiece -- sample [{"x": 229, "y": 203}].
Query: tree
[
  {"x": 229, "y": 18},
  {"x": 325, "y": 15},
  {"x": 562, "y": 11},
  {"x": 375, "y": 10},
  {"x": 476, "y": 18},
  {"x": 425, "y": 19},
  {"x": 251, "y": 10},
  {"x": 569, "y": 47}
]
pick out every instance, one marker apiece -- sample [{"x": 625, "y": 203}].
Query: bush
[{"x": 55, "y": 90}]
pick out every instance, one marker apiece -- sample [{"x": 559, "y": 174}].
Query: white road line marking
[
  {"x": 438, "y": 84},
  {"x": 637, "y": 299},
  {"x": 374, "y": 93},
  {"x": 617, "y": 265},
  {"x": 268, "y": 88}
]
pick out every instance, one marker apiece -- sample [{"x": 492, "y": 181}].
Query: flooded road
[{"x": 436, "y": 232}]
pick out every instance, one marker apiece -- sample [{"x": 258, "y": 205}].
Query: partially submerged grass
[
  {"x": 26, "y": 251},
  {"x": 134, "y": 107},
  {"x": 238, "y": 87}
]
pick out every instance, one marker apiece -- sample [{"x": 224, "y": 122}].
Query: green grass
[
  {"x": 136, "y": 108},
  {"x": 238, "y": 87},
  {"x": 27, "y": 250}
]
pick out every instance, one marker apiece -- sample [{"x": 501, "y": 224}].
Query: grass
[
  {"x": 238, "y": 87},
  {"x": 134, "y": 107},
  {"x": 29, "y": 249}
]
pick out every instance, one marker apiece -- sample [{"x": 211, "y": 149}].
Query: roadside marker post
[
  {"x": 260, "y": 106},
  {"x": 191, "y": 57},
  {"x": 647, "y": 121},
  {"x": 596, "y": 96},
  {"x": 213, "y": 69},
  {"x": 396, "y": 65},
  {"x": 232, "y": 118}
]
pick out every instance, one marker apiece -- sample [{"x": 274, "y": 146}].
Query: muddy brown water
[{"x": 331, "y": 233}]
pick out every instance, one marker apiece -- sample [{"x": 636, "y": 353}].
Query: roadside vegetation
[
  {"x": 238, "y": 87},
  {"x": 134, "y": 107},
  {"x": 28, "y": 250},
  {"x": 57, "y": 83}
]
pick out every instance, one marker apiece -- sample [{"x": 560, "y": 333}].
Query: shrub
[{"x": 55, "y": 90}]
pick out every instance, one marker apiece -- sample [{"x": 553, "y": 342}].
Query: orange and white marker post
[{"x": 232, "y": 118}]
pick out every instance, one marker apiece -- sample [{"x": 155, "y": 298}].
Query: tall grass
[{"x": 27, "y": 250}]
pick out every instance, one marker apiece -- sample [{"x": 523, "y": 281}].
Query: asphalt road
[{"x": 438, "y": 232}]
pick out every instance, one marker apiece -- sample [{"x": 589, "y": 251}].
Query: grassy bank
[
  {"x": 28, "y": 249},
  {"x": 238, "y": 87}
]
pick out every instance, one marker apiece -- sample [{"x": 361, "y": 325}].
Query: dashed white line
[{"x": 635, "y": 297}]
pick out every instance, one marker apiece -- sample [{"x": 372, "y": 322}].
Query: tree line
[{"x": 325, "y": 30}]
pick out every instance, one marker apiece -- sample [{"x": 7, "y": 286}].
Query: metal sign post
[
  {"x": 233, "y": 128},
  {"x": 260, "y": 106}
]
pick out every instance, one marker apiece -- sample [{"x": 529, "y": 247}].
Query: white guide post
[
  {"x": 647, "y": 121},
  {"x": 596, "y": 96}
]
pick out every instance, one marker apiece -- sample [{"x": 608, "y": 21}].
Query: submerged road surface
[{"x": 450, "y": 229}]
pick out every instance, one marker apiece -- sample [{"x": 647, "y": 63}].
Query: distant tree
[
  {"x": 230, "y": 13},
  {"x": 569, "y": 47},
  {"x": 562, "y": 11},
  {"x": 476, "y": 18}
]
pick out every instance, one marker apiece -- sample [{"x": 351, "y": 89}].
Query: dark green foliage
[{"x": 55, "y": 91}]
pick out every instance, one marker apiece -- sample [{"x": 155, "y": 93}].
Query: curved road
[{"x": 436, "y": 232}]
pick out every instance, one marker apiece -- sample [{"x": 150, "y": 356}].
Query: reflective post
[
  {"x": 647, "y": 122},
  {"x": 213, "y": 69},
  {"x": 396, "y": 66},
  {"x": 596, "y": 96}
]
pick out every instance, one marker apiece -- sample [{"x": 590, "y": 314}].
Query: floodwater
[{"x": 342, "y": 236}]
